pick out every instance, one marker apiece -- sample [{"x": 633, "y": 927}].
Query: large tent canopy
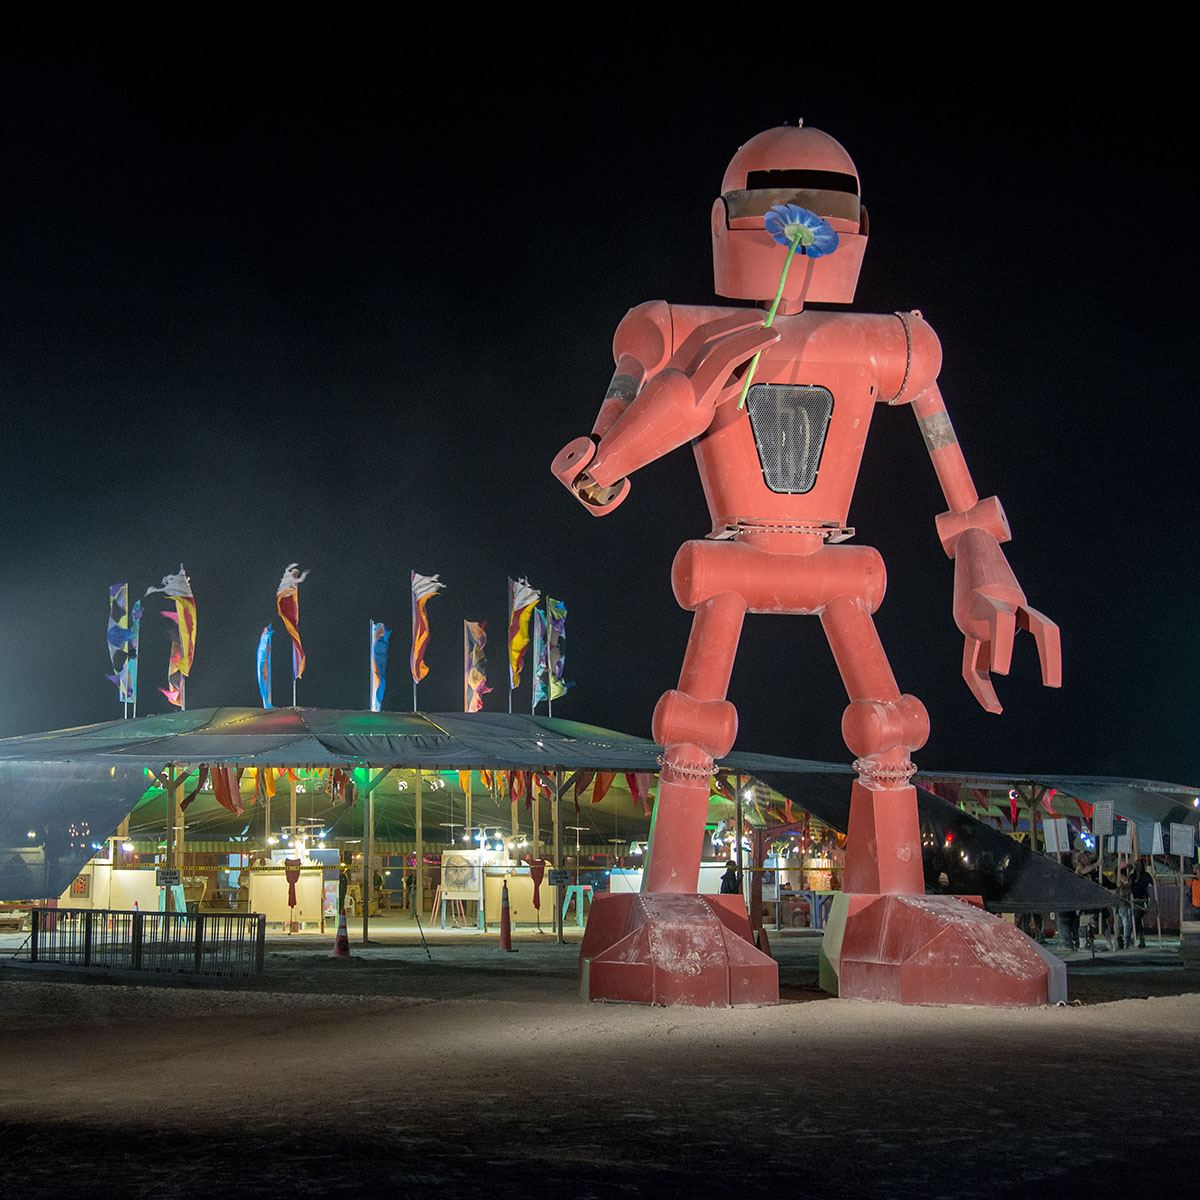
[{"x": 64, "y": 790}]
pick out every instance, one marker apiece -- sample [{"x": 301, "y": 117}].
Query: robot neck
[{"x": 787, "y": 308}]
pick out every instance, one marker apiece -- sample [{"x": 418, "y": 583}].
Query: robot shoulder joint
[
  {"x": 645, "y": 332},
  {"x": 922, "y": 357}
]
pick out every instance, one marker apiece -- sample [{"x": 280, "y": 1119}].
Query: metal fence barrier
[{"x": 220, "y": 944}]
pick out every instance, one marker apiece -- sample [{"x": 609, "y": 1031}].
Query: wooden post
[
  {"x": 535, "y": 852},
  {"x": 368, "y": 855},
  {"x": 737, "y": 840},
  {"x": 420, "y": 879},
  {"x": 174, "y": 823},
  {"x": 554, "y": 817}
]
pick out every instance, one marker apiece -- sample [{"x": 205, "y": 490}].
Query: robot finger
[
  {"x": 697, "y": 344},
  {"x": 975, "y": 672},
  {"x": 720, "y": 359},
  {"x": 1049, "y": 643},
  {"x": 1002, "y": 629}
]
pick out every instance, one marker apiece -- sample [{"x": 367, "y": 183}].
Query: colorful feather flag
[
  {"x": 174, "y": 689},
  {"x": 123, "y": 629},
  {"x": 556, "y": 655},
  {"x": 540, "y": 666},
  {"x": 287, "y": 603},
  {"x": 522, "y": 599},
  {"x": 379, "y": 649},
  {"x": 423, "y": 587},
  {"x": 264, "y": 667},
  {"x": 548, "y": 655},
  {"x": 178, "y": 587},
  {"x": 474, "y": 665}
]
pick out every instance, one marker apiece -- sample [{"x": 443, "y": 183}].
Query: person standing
[
  {"x": 1139, "y": 891},
  {"x": 730, "y": 886},
  {"x": 1124, "y": 911}
]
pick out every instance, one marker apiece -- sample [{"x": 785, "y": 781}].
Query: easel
[
  {"x": 576, "y": 892},
  {"x": 457, "y": 912}
]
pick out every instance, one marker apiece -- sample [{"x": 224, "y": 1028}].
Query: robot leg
[{"x": 887, "y": 940}]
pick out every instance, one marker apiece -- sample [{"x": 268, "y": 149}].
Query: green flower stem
[{"x": 787, "y": 262}]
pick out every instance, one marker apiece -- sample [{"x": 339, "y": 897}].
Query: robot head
[{"x": 788, "y": 165}]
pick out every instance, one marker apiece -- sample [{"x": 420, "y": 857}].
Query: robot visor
[{"x": 746, "y": 202}]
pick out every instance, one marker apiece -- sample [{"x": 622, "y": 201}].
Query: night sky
[{"x": 337, "y": 297}]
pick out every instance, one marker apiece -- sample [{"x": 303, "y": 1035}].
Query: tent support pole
[{"x": 418, "y": 904}]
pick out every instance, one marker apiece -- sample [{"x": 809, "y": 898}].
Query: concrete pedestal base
[
  {"x": 671, "y": 949},
  {"x": 934, "y": 950}
]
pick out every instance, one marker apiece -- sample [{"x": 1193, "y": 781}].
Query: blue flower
[{"x": 790, "y": 225}]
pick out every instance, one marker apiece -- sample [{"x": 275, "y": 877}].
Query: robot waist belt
[{"x": 777, "y": 583}]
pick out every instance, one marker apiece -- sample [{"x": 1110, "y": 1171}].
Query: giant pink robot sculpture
[{"x": 779, "y": 474}]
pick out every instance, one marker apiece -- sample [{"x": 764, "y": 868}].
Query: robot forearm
[{"x": 967, "y": 511}]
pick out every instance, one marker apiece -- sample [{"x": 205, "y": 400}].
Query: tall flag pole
[
  {"x": 287, "y": 604},
  {"x": 131, "y": 666},
  {"x": 522, "y": 599},
  {"x": 423, "y": 587},
  {"x": 379, "y": 649},
  {"x": 178, "y": 587},
  {"x": 123, "y": 628},
  {"x": 556, "y": 620},
  {"x": 264, "y": 667},
  {"x": 474, "y": 665}
]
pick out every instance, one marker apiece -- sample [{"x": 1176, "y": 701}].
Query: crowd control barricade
[{"x": 226, "y": 945}]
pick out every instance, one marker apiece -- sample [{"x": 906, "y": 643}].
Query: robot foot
[
  {"x": 668, "y": 949},
  {"x": 934, "y": 950}
]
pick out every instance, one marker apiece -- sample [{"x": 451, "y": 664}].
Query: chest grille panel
[{"x": 789, "y": 423}]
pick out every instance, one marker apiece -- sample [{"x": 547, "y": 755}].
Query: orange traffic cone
[
  {"x": 341, "y": 943},
  {"x": 505, "y": 920}
]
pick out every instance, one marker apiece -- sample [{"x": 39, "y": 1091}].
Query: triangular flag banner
[
  {"x": 603, "y": 783},
  {"x": 287, "y": 603},
  {"x": 225, "y": 788},
  {"x": 423, "y": 587}
]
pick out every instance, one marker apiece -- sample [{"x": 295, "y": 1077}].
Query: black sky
[{"x": 338, "y": 298}]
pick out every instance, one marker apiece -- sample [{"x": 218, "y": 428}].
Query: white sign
[
  {"x": 167, "y": 876},
  {"x": 556, "y": 878},
  {"x": 1102, "y": 818},
  {"x": 1149, "y": 837},
  {"x": 1183, "y": 840},
  {"x": 1058, "y": 837}
]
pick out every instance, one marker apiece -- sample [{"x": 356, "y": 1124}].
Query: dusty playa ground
[{"x": 483, "y": 1074}]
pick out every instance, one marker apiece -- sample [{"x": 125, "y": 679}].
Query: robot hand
[
  {"x": 989, "y": 608},
  {"x": 673, "y": 407}
]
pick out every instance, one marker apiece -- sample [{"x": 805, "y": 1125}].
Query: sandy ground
[{"x": 474, "y": 1072}]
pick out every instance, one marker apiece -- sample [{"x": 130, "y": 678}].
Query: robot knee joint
[
  {"x": 709, "y": 724},
  {"x": 877, "y": 726}
]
